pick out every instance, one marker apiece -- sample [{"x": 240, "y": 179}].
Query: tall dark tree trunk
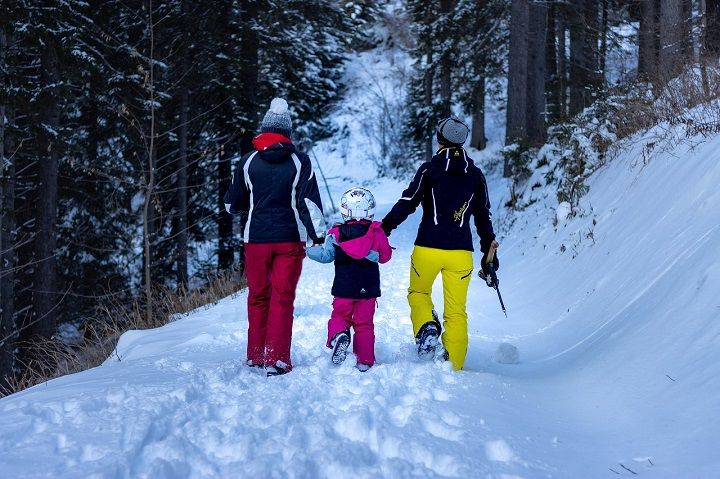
[
  {"x": 686, "y": 31},
  {"x": 603, "y": 38},
  {"x": 537, "y": 30},
  {"x": 477, "y": 138},
  {"x": 182, "y": 186},
  {"x": 181, "y": 195},
  {"x": 552, "y": 77},
  {"x": 428, "y": 100},
  {"x": 712, "y": 29},
  {"x": 584, "y": 80},
  {"x": 592, "y": 71},
  {"x": 561, "y": 62},
  {"x": 149, "y": 226},
  {"x": 671, "y": 38},
  {"x": 517, "y": 76},
  {"x": 7, "y": 227},
  {"x": 251, "y": 56},
  {"x": 226, "y": 255},
  {"x": 446, "y": 7},
  {"x": 578, "y": 62},
  {"x": 45, "y": 290},
  {"x": 649, "y": 40}
]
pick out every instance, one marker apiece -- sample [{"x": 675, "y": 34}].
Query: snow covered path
[
  {"x": 615, "y": 314},
  {"x": 179, "y": 403}
]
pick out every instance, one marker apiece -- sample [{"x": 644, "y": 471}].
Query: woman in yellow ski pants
[
  {"x": 456, "y": 267},
  {"x": 451, "y": 190}
]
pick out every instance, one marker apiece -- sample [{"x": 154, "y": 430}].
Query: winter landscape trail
[
  {"x": 607, "y": 385},
  {"x": 614, "y": 312}
]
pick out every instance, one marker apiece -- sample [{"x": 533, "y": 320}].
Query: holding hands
[{"x": 324, "y": 253}]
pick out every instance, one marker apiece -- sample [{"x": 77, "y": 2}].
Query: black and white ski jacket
[
  {"x": 451, "y": 189},
  {"x": 277, "y": 189}
]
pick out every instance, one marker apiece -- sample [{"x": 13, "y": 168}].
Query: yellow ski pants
[{"x": 456, "y": 268}]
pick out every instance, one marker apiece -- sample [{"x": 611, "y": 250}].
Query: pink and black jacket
[{"x": 350, "y": 246}]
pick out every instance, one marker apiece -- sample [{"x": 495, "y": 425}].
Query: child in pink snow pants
[{"x": 356, "y": 247}]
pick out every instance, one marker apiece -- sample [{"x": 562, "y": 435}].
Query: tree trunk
[
  {"x": 603, "y": 39},
  {"x": 7, "y": 226},
  {"x": 649, "y": 41},
  {"x": 671, "y": 38},
  {"x": 477, "y": 138},
  {"x": 552, "y": 79},
  {"x": 517, "y": 76},
  {"x": 182, "y": 178},
  {"x": 577, "y": 78},
  {"x": 45, "y": 288},
  {"x": 250, "y": 50},
  {"x": 226, "y": 256},
  {"x": 251, "y": 55},
  {"x": 428, "y": 84},
  {"x": 561, "y": 63},
  {"x": 712, "y": 29},
  {"x": 446, "y": 7},
  {"x": 686, "y": 31},
  {"x": 537, "y": 30},
  {"x": 593, "y": 77},
  {"x": 149, "y": 205},
  {"x": 182, "y": 190}
]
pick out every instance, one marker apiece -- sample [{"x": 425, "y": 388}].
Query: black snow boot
[
  {"x": 251, "y": 364},
  {"x": 340, "y": 344},
  {"x": 279, "y": 369},
  {"x": 428, "y": 338}
]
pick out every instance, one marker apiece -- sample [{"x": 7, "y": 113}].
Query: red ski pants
[
  {"x": 359, "y": 314},
  {"x": 273, "y": 271}
]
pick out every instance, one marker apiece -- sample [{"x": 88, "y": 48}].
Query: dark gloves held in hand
[{"x": 487, "y": 268}]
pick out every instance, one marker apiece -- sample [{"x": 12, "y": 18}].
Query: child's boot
[{"x": 340, "y": 344}]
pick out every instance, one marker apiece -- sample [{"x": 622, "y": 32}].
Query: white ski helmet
[{"x": 357, "y": 203}]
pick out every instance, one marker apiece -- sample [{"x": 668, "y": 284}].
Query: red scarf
[{"x": 266, "y": 140}]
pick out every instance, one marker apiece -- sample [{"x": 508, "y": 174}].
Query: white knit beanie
[{"x": 277, "y": 118}]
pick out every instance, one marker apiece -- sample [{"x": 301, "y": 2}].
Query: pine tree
[
  {"x": 423, "y": 107},
  {"x": 482, "y": 46}
]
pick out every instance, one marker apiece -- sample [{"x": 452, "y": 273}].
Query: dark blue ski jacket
[
  {"x": 451, "y": 189},
  {"x": 276, "y": 188}
]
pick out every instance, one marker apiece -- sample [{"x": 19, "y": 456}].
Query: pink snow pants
[{"x": 359, "y": 314}]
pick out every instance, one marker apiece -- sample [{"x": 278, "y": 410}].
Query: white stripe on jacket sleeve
[
  {"x": 248, "y": 183},
  {"x": 293, "y": 200}
]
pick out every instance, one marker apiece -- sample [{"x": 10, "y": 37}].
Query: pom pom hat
[{"x": 277, "y": 118}]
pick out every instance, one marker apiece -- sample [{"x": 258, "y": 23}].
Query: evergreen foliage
[{"x": 89, "y": 86}]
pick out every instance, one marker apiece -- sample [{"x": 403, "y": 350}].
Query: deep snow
[{"x": 616, "y": 321}]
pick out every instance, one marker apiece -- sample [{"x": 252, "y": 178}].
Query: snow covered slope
[{"x": 617, "y": 321}]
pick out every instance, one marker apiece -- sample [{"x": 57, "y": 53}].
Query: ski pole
[{"x": 491, "y": 279}]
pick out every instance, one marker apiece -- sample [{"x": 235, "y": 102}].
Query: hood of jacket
[
  {"x": 273, "y": 147},
  {"x": 452, "y": 160},
  {"x": 356, "y": 247}
]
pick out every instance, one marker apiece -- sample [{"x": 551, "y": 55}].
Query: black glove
[
  {"x": 318, "y": 241},
  {"x": 487, "y": 270},
  {"x": 386, "y": 228}
]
